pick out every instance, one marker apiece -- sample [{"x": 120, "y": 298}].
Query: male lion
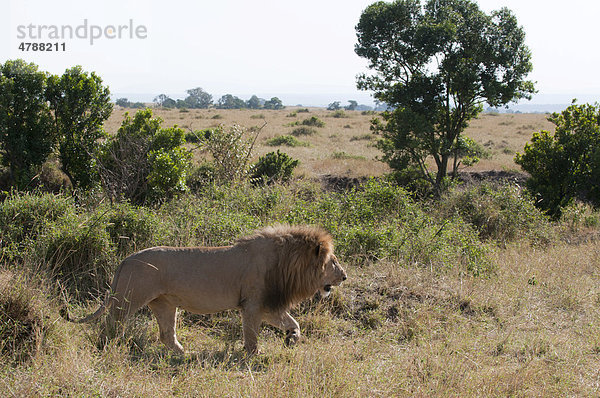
[{"x": 263, "y": 275}]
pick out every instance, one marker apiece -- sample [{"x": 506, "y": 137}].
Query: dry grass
[
  {"x": 530, "y": 329},
  {"x": 501, "y": 134}
]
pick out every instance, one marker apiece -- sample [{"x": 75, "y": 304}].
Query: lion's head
[
  {"x": 333, "y": 275},
  {"x": 306, "y": 264}
]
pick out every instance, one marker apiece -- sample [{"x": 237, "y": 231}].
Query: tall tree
[
  {"x": 435, "y": 65},
  {"x": 25, "y": 122},
  {"x": 81, "y": 104},
  {"x": 198, "y": 98},
  {"x": 273, "y": 103},
  {"x": 229, "y": 101}
]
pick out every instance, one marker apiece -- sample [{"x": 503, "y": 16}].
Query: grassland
[
  {"x": 476, "y": 294},
  {"x": 501, "y": 134}
]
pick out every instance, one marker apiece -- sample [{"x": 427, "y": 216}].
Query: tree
[
  {"x": 334, "y": 106},
  {"x": 435, "y": 65},
  {"x": 198, "y": 98},
  {"x": 565, "y": 165},
  {"x": 273, "y": 103},
  {"x": 254, "y": 102},
  {"x": 229, "y": 101},
  {"x": 25, "y": 121},
  {"x": 123, "y": 102},
  {"x": 164, "y": 101},
  {"x": 80, "y": 105},
  {"x": 351, "y": 106}
]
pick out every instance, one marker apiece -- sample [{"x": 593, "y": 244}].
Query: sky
[{"x": 301, "y": 52}]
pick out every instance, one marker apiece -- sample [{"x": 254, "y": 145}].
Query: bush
[
  {"x": 501, "y": 213},
  {"x": 198, "y": 136},
  {"x": 339, "y": 114},
  {"x": 303, "y": 130},
  {"x": 143, "y": 162},
  {"x": 132, "y": 228},
  {"x": 274, "y": 166},
  {"x": 565, "y": 165},
  {"x": 287, "y": 140},
  {"x": 78, "y": 253},
  {"x": 231, "y": 151},
  {"x": 23, "y": 218},
  {"x": 313, "y": 121}
]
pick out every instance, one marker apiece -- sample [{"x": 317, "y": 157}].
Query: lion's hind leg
[{"x": 166, "y": 316}]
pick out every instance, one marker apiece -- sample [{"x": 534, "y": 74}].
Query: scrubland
[{"x": 476, "y": 293}]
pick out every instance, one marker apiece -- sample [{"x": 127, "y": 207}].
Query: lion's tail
[{"x": 92, "y": 317}]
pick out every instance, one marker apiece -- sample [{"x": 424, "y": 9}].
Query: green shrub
[
  {"x": 198, "y": 136},
  {"x": 78, "y": 252},
  {"x": 313, "y": 121},
  {"x": 565, "y": 165},
  {"x": 502, "y": 213},
  {"x": 303, "y": 130},
  {"x": 23, "y": 218},
  {"x": 132, "y": 228},
  {"x": 272, "y": 167},
  {"x": 287, "y": 140},
  {"x": 143, "y": 162},
  {"x": 341, "y": 155},
  {"x": 339, "y": 114},
  {"x": 231, "y": 150}
]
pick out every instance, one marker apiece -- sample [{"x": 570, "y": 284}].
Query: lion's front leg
[
  {"x": 284, "y": 321},
  {"x": 251, "y": 320}
]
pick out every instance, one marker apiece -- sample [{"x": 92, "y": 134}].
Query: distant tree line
[
  {"x": 197, "y": 98},
  {"x": 355, "y": 106}
]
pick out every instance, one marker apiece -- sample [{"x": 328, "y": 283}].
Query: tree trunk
[{"x": 441, "y": 173}]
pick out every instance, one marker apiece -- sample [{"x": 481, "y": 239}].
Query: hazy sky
[{"x": 302, "y": 52}]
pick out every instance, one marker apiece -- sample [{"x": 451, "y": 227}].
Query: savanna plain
[{"x": 475, "y": 293}]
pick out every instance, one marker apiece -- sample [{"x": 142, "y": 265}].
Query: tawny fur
[{"x": 263, "y": 275}]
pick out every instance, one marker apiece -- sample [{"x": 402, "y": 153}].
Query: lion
[{"x": 263, "y": 275}]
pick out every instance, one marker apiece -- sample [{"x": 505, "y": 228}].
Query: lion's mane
[{"x": 301, "y": 255}]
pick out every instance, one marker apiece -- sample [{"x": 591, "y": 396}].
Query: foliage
[
  {"x": 435, "y": 65},
  {"x": 231, "y": 151},
  {"x": 229, "y": 101},
  {"x": 197, "y": 98},
  {"x": 469, "y": 151},
  {"x": 334, "y": 106},
  {"x": 287, "y": 140},
  {"x": 565, "y": 165},
  {"x": 339, "y": 114},
  {"x": 351, "y": 106},
  {"x": 273, "y": 167},
  {"x": 125, "y": 103},
  {"x": 303, "y": 130},
  {"x": 23, "y": 218},
  {"x": 165, "y": 101},
  {"x": 80, "y": 105},
  {"x": 502, "y": 213},
  {"x": 273, "y": 103},
  {"x": 144, "y": 162},
  {"x": 313, "y": 121},
  {"x": 253, "y": 103},
  {"x": 26, "y": 137}
]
